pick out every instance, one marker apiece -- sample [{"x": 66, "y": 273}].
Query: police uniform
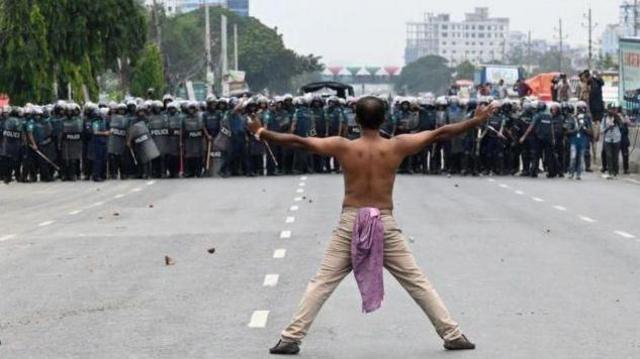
[
  {"x": 99, "y": 144},
  {"x": 71, "y": 146}
]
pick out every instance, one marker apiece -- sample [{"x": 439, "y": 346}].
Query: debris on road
[
  {"x": 211, "y": 250},
  {"x": 456, "y": 185},
  {"x": 310, "y": 201},
  {"x": 151, "y": 205},
  {"x": 548, "y": 230},
  {"x": 116, "y": 214},
  {"x": 412, "y": 240},
  {"x": 169, "y": 261}
]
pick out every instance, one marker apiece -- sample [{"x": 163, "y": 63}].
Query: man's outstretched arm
[
  {"x": 330, "y": 146},
  {"x": 412, "y": 144}
]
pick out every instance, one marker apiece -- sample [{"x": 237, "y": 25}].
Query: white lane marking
[
  {"x": 302, "y": 184},
  {"x": 300, "y": 190},
  {"x": 537, "y": 199},
  {"x": 46, "y": 223},
  {"x": 97, "y": 204},
  {"x": 297, "y": 199},
  {"x": 271, "y": 280},
  {"x": 520, "y": 193},
  {"x": 151, "y": 183},
  {"x": 73, "y": 213},
  {"x": 259, "y": 319},
  {"x": 294, "y": 208},
  {"x": 502, "y": 185},
  {"x": 7, "y": 237},
  {"x": 560, "y": 208},
  {"x": 624, "y": 234},
  {"x": 491, "y": 180},
  {"x": 587, "y": 219},
  {"x": 285, "y": 234},
  {"x": 303, "y": 178},
  {"x": 279, "y": 253},
  {"x": 118, "y": 196},
  {"x": 632, "y": 180},
  {"x": 290, "y": 219},
  {"x": 137, "y": 189}
]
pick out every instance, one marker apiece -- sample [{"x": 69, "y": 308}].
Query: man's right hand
[{"x": 483, "y": 113}]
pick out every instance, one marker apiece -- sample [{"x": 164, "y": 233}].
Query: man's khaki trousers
[{"x": 398, "y": 260}]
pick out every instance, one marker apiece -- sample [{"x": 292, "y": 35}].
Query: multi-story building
[
  {"x": 478, "y": 38},
  {"x": 173, "y": 7},
  {"x": 610, "y": 37}
]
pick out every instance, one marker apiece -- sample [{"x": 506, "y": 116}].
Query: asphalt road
[{"x": 530, "y": 268}]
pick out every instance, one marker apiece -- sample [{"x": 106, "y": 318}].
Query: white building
[
  {"x": 478, "y": 38},
  {"x": 609, "y": 42}
]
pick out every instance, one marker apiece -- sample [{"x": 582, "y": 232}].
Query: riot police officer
[
  {"x": 495, "y": 141},
  {"x": 427, "y": 122},
  {"x": 174, "y": 140},
  {"x": 557, "y": 120},
  {"x": 159, "y": 129},
  {"x": 302, "y": 126},
  {"x": 71, "y": 142},
  {"x": 99, "y": 143},
  {"x": 320, "y": 129},
  {"x": 334, "y": 116},
  {"x": 140, "y": 142},
  {"x": 455, "y": 114},
  {"x": 11, "y": 145},
  {"x": 40, "y": 138},
  {"x": 440, "y": 148},
  {"x": 193, "y": 140},
  {"x": 352, "y": 129},
  {"x": 407, "y": 121}
]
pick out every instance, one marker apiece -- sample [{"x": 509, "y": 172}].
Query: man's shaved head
[{"x": 370, "y": 112}]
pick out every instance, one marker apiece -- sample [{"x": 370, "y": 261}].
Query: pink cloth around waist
[{"x": 367, "y": 257}]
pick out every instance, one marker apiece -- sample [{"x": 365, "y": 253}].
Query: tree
[
  {"x": 261, "y": 51},
  {"x": 465, "y": 71},
  {"x": 550, "y": 61},
  {"x": 82, "y": 39},
  {"x": 427, "y": 74},
  {"x": 606, "y": 62},
  {"x": 23, "y": 71},
  {"x": 148, "y": 73}
]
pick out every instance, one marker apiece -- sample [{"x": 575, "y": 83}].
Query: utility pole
[
  {"x": 590, "y": 27},
  {"x": 635, "y": 18},
  {"x": 207, "y": 46},
  {"x": 561, "y": 38},
  {"x": 223, "y": 52},
  {"x": 235, "y": 46},
  {"x": 529, "y": 45}
]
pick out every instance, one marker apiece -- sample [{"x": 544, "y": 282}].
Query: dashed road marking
[
  {"x": 502, "y": 185},
  {"x": 587, "y": 219},
  {"x": 279, "y": 253},
  {"x": 7, "y": 237},
  {"x": 302, "y": 184},
  {"x": 137, "y": 189},
  {"x": 97, "y": 204},
  {"x": 491, "y": 180},
  {"x": 46, "y": 223},
  {"x": 285, "y": 234},
  {"x": 73, "y": 213},
  {"x": 297, "y": 199},
  {"x": 294, "y": 208},
  {"x": 300, "y": 190},
  {"x": 290, "y": 219},
  {"x": 632, "y": 180},
  {"x": 151, "y": 183},
  {"x": 303, "y": 178},
  {"x": 259, "y": 319},
  {"x": 560, "y": 208},
  {"x": 537, "y": 199},
  {"x": 271, "y": 280},
  {"x": 520, "y": 193},
  {"x": 118, "y": 196},
  {"x": 624, "y": 234}
]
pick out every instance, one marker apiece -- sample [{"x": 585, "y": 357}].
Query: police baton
[
  {"x": 133, "y": 156},
  {"x": 47, "y": 159}
]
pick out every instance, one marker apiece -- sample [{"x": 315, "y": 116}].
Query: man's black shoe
[
  {"x": 283, "y": 348},
  {"x": 461, "y": 343}
]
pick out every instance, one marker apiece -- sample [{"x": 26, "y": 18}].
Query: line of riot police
[{"x": 171, "y": 139}]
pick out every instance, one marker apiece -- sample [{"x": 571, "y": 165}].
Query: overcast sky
[{"x": 372, "y": 32}]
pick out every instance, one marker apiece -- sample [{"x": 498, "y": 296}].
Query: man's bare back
[{"x": 370, "y": 163}]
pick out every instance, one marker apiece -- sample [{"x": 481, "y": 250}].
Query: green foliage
[
  {"x": 550, "y": 62},
  {"x": 24, "y": 54},
  {"x": 606, "y": 62},
  {"x": 465, "y": 71},
  {"x": 69, "y": 41},
  {"x": 427, "y": 74},
  {"x": 261, "y": 51},
  {"x": 148, "y": 73}
]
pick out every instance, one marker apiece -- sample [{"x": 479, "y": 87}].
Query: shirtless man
[{"x": 370, "y": 164}]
